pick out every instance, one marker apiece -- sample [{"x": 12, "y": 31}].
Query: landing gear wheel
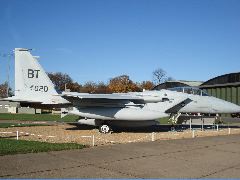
[{"x": 104, "y": 129}]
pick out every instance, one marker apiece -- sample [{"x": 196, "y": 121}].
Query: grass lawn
[
  {"x": 38, "y": 117},
  {"x": 164, "y": 120},
  {"x": 11, "y": 146},
  {"x": 9, "y": 125}
]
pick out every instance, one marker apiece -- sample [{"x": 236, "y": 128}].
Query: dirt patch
[{"x": 65, "y": 133}]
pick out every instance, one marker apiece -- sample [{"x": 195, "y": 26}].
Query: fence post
[
  {"x": 193, "y": 133},
  {"x": 93, "y": 141},
  {"x": 190, "y": 124},
  {"x": 229, "y": 130},
  {"x": 217, "y": 127},
  {"x": 153, "y": 136},
  {"x": 17, "y": 135}
]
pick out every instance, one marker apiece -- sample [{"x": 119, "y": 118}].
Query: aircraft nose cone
[
  {"x": 234, "y": 108},
  {"x": 221, "y": 106}
]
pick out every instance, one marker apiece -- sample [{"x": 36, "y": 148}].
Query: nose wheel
[{"x": 104, "y": 128}]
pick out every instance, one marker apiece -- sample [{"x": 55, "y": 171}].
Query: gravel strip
[{"x": 64, "y": 133}]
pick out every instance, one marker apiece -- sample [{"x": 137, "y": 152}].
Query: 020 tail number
[{"x": 39, "y": 88}]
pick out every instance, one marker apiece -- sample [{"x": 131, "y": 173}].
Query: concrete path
[{"x": 209, "y": 157}]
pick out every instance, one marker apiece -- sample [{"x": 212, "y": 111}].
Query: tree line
[{"x": 119, "y": 84}]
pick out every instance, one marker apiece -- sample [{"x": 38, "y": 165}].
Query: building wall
[
  {"x": 3, "y": 110},
  {"x": 228, "y": 93},
  {"x": 8, "y": 107},
  {"x": 226, "y": 87},
  {"x": 14, "y": 107},
  {"x": 25, "y": 110}
]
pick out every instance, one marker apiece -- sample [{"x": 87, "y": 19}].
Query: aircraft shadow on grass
[{"x": 156, "y": 128}]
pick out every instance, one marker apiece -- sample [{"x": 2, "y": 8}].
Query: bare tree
[
  {"x": 159, "y": 75},
  {"x": 169, "y": 79},
  {"x": 60, "y": 80},
  {"x": 63, "y": 81},
  {"x": 5, "y": 90}
]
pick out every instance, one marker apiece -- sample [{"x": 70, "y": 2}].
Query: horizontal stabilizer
[{"x": 12, "y": 99}]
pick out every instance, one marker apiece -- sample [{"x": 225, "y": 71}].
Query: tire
[{"x": 104, "y": 128}]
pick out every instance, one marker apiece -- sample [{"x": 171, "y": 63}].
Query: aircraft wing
[
  {"x": 178, "y": 106},
  {"x": 105, "y": 100}
]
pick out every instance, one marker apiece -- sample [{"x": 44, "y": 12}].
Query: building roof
[
  {"x": 232, "y": 79},
  {"x": 177, "y": 83},
  {"x": 189, "y": 83}
]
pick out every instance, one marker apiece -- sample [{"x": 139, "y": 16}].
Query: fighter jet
[{"x": 33, "y": 86}]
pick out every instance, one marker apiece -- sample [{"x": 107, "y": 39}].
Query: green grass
[
  {"x": 164, "y": 120},
  {"x": 10, "y": 125},
  {"x": 11, "y": 146},
  {"x": 38, "y": 117}
]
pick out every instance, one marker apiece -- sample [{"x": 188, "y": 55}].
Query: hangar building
[{"x": 225, "y": 87}]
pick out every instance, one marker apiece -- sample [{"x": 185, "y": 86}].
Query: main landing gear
[{"x": 104, "y": 128}]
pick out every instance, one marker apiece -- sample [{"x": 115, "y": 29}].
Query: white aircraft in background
[{"x": 33, "y": 86}]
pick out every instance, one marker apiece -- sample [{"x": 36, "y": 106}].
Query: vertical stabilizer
[{"x": 31, "y": 81}]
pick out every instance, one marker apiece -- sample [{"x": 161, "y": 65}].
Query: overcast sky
[{"x": 95, "y": 40}]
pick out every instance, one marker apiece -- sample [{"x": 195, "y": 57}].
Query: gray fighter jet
[{"x": 33, "y": 86}]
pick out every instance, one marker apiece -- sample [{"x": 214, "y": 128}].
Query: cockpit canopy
[{"x": 189, "y": 90}]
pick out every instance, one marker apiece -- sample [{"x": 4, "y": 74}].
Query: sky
[{"x": 95, "y": 40}]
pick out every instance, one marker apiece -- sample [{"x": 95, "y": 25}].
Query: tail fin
[{"x": 31, "y": 81}]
